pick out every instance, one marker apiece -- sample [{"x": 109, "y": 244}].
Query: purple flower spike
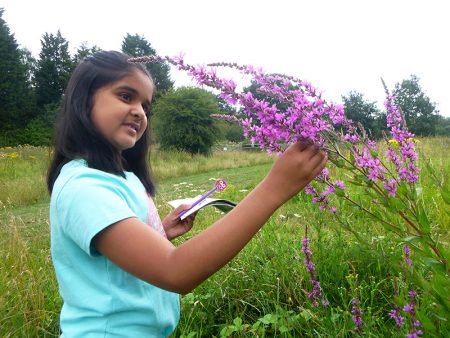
[
  {"x": 395, "y": 314},
  {"x": 357, "y": 313},
  {"x": 315, "y": 295},
  {"x": 407, "y": 253}
]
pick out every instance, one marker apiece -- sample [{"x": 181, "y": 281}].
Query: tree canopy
[
  {"x": 182, "y": 120},
  {"x": 363, "y": 112},
  {"x": 53, "y": 69},
  {"x": 136, "y": 45},
  {"x": 15, "y": 87},
  {"x": 420, "y": 113}
]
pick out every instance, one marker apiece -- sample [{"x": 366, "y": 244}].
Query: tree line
[{"x": 31, "y": 92}]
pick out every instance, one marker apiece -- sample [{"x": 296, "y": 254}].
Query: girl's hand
[
  {"x": 293, "y": 170},
  {"x": 175, "y": 227}
]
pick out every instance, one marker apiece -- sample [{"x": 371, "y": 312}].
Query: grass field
[{"x": 263, "y": 291}]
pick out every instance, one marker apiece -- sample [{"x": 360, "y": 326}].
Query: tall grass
[
  {"x": 23, "y": 169},
  {"x": 263, "y": 291}
]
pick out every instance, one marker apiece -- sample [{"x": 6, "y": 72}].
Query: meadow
[{"x": 263, "y": 292}]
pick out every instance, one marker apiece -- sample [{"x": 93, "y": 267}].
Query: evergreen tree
[
  {"x": 135, "y": 45},
  {"x": 84, "y": 51},
  {"x": 53, "y": 69},
  {"x": 16, "y": 106},
  {"x": 30, "y": 63}
]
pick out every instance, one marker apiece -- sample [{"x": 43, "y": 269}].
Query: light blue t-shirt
[{"x": 100, "y": 298}]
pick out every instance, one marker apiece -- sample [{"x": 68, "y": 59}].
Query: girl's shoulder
[
  {"x": 76, "y": 175},
  {"x": 79, "y": 170}
]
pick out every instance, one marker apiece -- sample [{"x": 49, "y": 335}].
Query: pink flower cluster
[
  {"x": 415, "y": 331},
  {"x": 307, "y": 115},
  {"x": 401, "y": 151},
  {"x": 315, "y": 295},
  {"x": 321, "y": 197},
  {"x": 293, "y": 110},
  {"x": 407, "y": 253},
  {"x": 409, "y": 308},
  {"x": 357, "y": 314}
]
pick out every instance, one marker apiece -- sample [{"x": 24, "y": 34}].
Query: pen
[{"x": 220, "y": 185}]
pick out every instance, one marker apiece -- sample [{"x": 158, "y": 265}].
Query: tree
[
  {"x": 182, "y": 120},
  {"x": 53, "y": 69},
  {"x": 135, "y": 45},
  {"x": 420, "y": 113},
  {"x": 443, "y": 126},
  {"x": 30, "y": 64},
  {"x": 84, "y": 51},
  {"x": 16, "y": 104},
  {"x": 359, "y": 110},
  {"x": 228, "y": 131}
]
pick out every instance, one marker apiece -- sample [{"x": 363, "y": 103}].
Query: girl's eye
[{"x": 125, "y": 96}]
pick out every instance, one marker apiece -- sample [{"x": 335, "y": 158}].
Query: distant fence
[{"x": 250, "y": 147}]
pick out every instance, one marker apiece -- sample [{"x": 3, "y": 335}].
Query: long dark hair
[{"x": 75, "y": 135}]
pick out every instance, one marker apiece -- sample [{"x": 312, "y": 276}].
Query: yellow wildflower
[
  {"x": 413, "y": 140},
  {"x": 394, "y": 143},
  {"x": 13, "y": 155}
]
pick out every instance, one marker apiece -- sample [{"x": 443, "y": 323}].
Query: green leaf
[
  {"x": 283, "y": 329},
  {"x": 393, "y": 204},
  {"x": 445, "y": 193},
  {"x": 352, "y": 157},
  {"x": 335, "y": 317},
  {"x": 306, "y": 314},
  {"x": 237, "y": 321},
  {"x": 354, "y": 182},
  {"x": 431, "y": 262},
  {"x": 339, "y": 192},
  {"x": 372, "y": 193},
  {"x": 373, "y": 153},
  {"x": 412, "y": 239},
  {"x": 422, "y": 218},
  {"x": 402, "y": 188},
  {"x": 339, "y": 163},
  {"x": 268, "y": 319}
]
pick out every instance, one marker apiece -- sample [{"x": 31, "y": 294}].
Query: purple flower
[
  {"x": 357, "y": 313},
  {"x": 405, "y": 164},
  {"x": 408, "y": 261},
  {"x": 414, "y": 334},
  {"x": 391, "y": 187},
  {"x": 395, "y": 314},
  {"x": 293, "y": 109},
  {"x": 339, "y": 184},
  {"x": 409, "y": 308},
  {"x": 315, "y": 295}
]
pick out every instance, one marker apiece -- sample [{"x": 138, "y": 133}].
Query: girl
[{"x": 118, "y": 273}]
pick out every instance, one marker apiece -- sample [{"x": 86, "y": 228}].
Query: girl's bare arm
[{"x": 140, "y": 250}]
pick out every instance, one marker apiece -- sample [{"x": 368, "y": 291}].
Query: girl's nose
[{"x": 138, "y": 112}]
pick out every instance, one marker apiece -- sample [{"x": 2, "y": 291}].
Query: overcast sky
[{"x": 337, "y": 45}]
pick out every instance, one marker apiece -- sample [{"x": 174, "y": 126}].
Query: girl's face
[{"x": 119, "y": 110}]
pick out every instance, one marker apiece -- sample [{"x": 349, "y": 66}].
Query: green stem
[{"x": 432, "y": 245}]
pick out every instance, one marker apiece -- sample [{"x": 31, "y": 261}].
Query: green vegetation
[
  {"x": 182, "y": 120},
  {"x": 263, "y": 291}
]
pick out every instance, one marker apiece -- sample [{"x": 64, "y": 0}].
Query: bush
[{"x": 182, "y": 120}]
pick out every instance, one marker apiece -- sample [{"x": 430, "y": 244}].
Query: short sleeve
[{"x": 88, "y": 203}]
